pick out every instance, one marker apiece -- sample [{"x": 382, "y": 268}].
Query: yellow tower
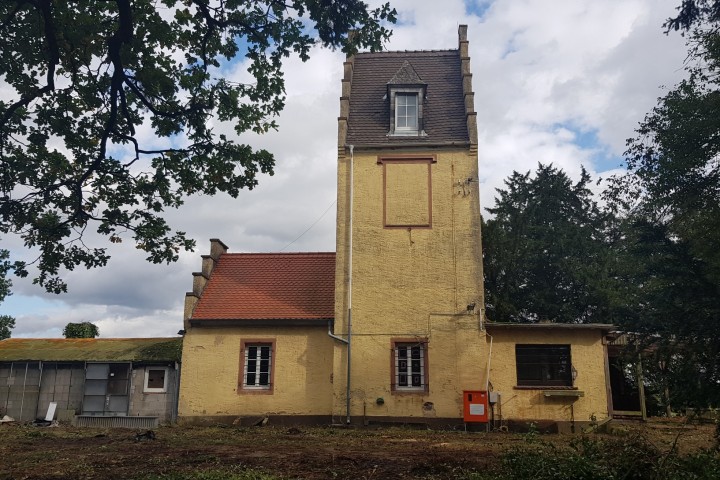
[{"x": 409, "y": 284}]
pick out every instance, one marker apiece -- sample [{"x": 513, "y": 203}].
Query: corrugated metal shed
[{"x": 91, "y": 349}]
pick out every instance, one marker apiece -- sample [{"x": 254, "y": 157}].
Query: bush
[{"x": 586, "y": 458}]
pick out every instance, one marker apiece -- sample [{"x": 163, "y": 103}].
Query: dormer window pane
[{"x": 406, "y": 111}]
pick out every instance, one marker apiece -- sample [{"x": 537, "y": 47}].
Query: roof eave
[
  {"x": 259, "y": 322},
  {"x": 552, "y": 326},
  {"x": 399, "y": 143}
]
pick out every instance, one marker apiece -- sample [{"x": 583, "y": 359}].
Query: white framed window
[
  {"x": 406, "y": 112},
  {"x": 257, "y": 366},
  {"x": 156, "y": 379},
  {"x": 410, "y": 366}
]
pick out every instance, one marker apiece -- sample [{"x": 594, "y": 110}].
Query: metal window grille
[
  {"x": 258, "y": 361},
  {"x": 543, "y": 365},
  {"x": 410, "y": 366}
]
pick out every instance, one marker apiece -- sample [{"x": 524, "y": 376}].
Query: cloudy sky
[{"x": 561, "y": 81}]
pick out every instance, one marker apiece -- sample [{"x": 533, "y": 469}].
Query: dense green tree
[
  {"x": 7, "y": 323},
  {"x": 673, "y": 313},
  {"x": 545, "y": 250},
  {"x": 81, "y": 330},
  {"x": 85, "y": 81},
  {"x": 670, "y": 203}
]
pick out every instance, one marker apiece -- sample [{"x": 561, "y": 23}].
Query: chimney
[
  {"x": 200, "y": 279},
  {"x": 469, "y": 95}
]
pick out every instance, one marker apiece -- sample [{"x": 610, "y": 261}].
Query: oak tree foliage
[
  {"x": 7, "y": 323},
  {"x": 82, "y": 83}
]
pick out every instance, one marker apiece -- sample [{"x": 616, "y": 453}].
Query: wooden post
[{"x": 641, "y": 388}]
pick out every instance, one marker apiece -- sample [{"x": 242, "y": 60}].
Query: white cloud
[{"x": 543, "y": 73}]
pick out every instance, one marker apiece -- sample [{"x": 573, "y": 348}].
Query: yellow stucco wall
[
  {"x": 410, "y": 283},
  {"x": 587, "y": 354},
  {"x": 211, "y": 368}
]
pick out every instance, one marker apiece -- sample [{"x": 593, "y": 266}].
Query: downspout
[
  {"x": 332, "y": 335},
  {"x": 349, "y": 297},
  {"x": 176, "y": 396},
  {"x": 349, "y": 290},
  {"x": 487, "y": 377}
]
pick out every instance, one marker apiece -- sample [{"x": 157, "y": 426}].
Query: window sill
[
  {"x": 254, "y": 391},
  {"x": 419, "y": 391},
  {"x": 408, "y": 133},
  {"x": 564, "y": 393},
  {"x": 543, "y": 387}
]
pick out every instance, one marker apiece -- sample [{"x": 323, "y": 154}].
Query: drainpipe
[
  {"x": 176, "y": 396},
  {"x": 349, "y": 290},
  {"x": 349, "y": 297},
  {"x": 487, "y": 377},
  {"x": 332, "y": 335}
]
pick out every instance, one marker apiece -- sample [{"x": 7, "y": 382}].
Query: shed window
[
  {"x": 155, "y": 380},
  {"x": 543, "y": 365}
]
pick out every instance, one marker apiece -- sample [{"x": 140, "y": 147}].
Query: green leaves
[
  {"x": 7, "y": 323},
  {"x": 85, "y": 83},
  {"x": 81, "y": 330},
  {"x": 670, "y": 204},
  {"x": 546, "y": 255}
]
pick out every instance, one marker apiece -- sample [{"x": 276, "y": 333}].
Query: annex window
[
  {"x": 257, "y": 366},
  {"x": 155, "y": 380},
  {"x": 543, "y": 365},
  {"x": 410, "y": 366},
  {"x": 406, "y": 112}
]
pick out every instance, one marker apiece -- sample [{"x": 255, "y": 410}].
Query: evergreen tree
[
  {"x": 670, "y": 203},
  {"x": 545, "y": 251}
]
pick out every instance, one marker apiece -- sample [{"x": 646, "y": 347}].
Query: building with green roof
[{"x": 110, "y": 382}]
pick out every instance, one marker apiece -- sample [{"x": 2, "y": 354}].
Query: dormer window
[
  {"x": 406, "y": 92},
  {"x": 406, "y": 112}
]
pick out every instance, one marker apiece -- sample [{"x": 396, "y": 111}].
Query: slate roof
[
  {"x": 263, "y": 286},
  {"x": 444, "y": 107},
  {"x": 90, "y": 349},
  {"x": 406, "y": 76}
]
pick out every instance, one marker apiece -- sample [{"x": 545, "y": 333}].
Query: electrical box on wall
[{"x": 475, "y": 406}]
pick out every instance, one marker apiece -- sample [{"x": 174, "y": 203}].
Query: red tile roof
[{"x": 256, "y": 286}]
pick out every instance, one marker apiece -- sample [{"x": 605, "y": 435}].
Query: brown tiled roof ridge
[
  {"x": 276, "y": 253},
  {"x": 404, "y": 52}
]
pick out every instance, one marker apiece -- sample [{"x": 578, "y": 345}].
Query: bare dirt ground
[{"x": 28, "y": 452}]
